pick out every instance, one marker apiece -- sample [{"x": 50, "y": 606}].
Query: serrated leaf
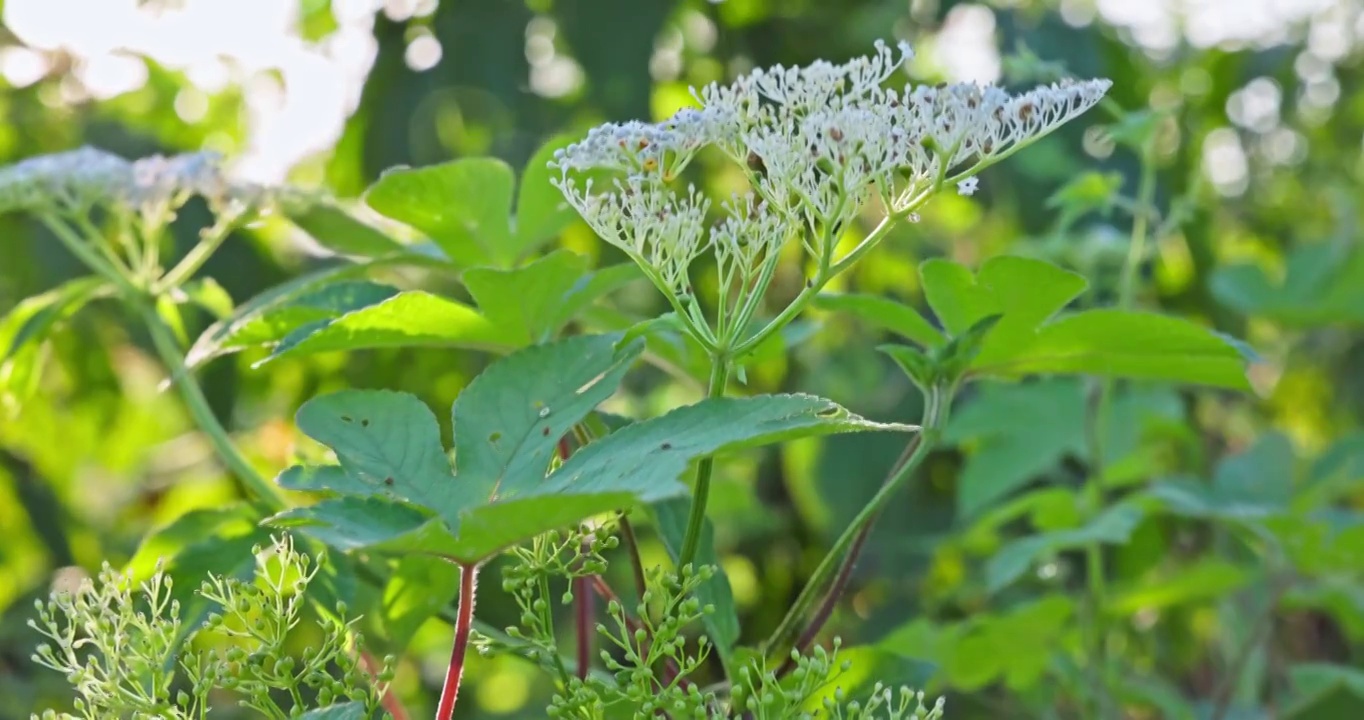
[
  {"x": 722, "y": 625},
  {"x": 1115, "y": 525},
  {"x": 885, "y": 313},
  {"x": 256, "y": 323},
  {"x": 954, "y": 295},
  {"x": 464, "y": 206},
  {"x": 398, "y": 493},
  {"x": 337, "y": 230},
  {"x": 411, "y": 318},
  {"x": 527, "y": 302}
]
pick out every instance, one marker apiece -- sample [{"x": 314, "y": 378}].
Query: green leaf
[
  {"x": 1016, "y": 433},
  {"x": 884, "y": 313},
  {"x": 464, "y": 205},
  {"x": 722, "y": 626},
  {"x": 1322, "y": 691},
  {"x": 1322, "y": 284},
  {"x": 398, "y": 494},
  {"x": 419, "y": 587},
  {"x": 952, "y": 292},
  {"x": 919, "y": 367},
  {"x": 209, "y": 295},
  {"x": 266, "y": 318},
  {"x": 337, "y": 230},
  {"x": 1115, "y": 525},
  {"x": 1203, "y": 580},
  {"x": 527, "y": 302},
  {"x": 1122, "y": 344},
  {"x": 344, "y": 711},
  {"x": 411, "y": 318},
  {"x": 541, "y": 211},
  {"x": 508, "y": 421},
  {"x": 1253, "y": 485},
  {"x": 33, "y": 318}
]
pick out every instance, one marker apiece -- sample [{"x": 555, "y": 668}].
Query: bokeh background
[{"x": 1258, "y": 160}]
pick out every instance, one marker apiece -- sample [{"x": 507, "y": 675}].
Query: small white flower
[{"x": 968, "y": 186}]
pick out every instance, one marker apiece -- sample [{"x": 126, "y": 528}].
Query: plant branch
[
  {"x": 627, "y": 530},
  {"x": 719, "y": 377},
  {"x": 843, "y": 555},
  {"x": 468, "y": 583}
]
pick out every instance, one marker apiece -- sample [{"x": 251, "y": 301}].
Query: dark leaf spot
[
  {"x": 364, "y": 423},
  {"x": 545, "y": 431},
  {"x": 346, "y": 418},
  {"x": 388, "y": 481},
  {"x": 666, "y": 446},
  {"x": 494, "y": 437}
]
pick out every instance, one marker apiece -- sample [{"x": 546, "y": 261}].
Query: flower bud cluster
[
  {"x": 77, "y": 180},
  {"x": 816, "y": 142}
]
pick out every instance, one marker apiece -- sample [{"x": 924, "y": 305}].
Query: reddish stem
[
  {"x": 390, "y": 700},
  {"x": 464, "y": 620},
  {"x": 826, "y": 608},
  {"x": 583, "y": 592}
]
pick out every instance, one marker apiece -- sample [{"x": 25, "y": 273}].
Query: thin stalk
[
  {"x": 81, "y": 248},
  {"x": 195, "y": 258},
  {"x": 1093, "y": 496},
  {"x": 468, "y": 584},
  {"x": 389, "y": 699},
  {"x": 632, "y": 549},
  {"x": 719, "y": 376},
  {"x": 264, "y": 494},
  {"x": 841, "y": 556}
]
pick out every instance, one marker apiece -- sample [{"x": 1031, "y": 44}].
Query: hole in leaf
[
  {"x": 828, "y": 412},
  {"x": 388, "y": 481},
  {"x": 545, "y": 431},
  {"x": 494, "y": 437},
  {"x": 666, "y": 446},
  {"x": 346, "y": 418}
]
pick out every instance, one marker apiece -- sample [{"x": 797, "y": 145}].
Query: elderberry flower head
[{"x": 815, "y": 142}]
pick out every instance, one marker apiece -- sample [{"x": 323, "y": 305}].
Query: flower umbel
[{"x": 815, "y": 143}]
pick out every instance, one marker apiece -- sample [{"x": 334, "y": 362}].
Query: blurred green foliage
[{"x": 1234, "y": 559}]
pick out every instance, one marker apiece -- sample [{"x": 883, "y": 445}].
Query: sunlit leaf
[
  {"x": 339, "y": 231},
  {"x": 464, "y": 206},
  {"x": 884, "y": 313}
]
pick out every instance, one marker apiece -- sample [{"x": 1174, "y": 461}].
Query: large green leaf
[
  {"x": 1121, "y": 344},
  {"x": 722, "y": 625},
  {"x": 267, "y": 326},
  {"x": 396, "y": 491},
  {"x": 884, "y": 313},
  {"x": 532, "y": 302},
  {"x": 419, "y": 587},
  {"x": 1115, "y": 525},
  {"x": 337, "y": 230},
  {"x": 1025, "y": 294},
  {"x": 225, "y": 336},
  {"x": 411, "y": 318},
  {"x": 464, "y": 206},
  {"x": 1322, "y": 691}
]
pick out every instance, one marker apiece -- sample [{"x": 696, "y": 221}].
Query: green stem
[
  {"x": 1093, "y": 491},
  {"x": 81, "y": 248},
  {"x": 719, "y": 377},
  {"x": 264, "y": 493},
  {"x": 195, "y": 258},
  {"x": 938, "y": 402}
]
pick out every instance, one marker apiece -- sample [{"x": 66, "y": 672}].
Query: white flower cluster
[
  {"x": 816, "y": 142},
  {"x": 78, "y": 180}
]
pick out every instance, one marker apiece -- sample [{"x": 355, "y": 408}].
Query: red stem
[
  {"x": 826, "y": 608},
  {"x": 464, "y": 620},
  {"x": 583, "y": 593}
]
